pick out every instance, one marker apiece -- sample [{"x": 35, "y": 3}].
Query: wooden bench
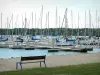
[{"x": 29, "y": 59}]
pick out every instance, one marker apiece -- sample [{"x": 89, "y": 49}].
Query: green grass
[{"x": 85, "y": 69}]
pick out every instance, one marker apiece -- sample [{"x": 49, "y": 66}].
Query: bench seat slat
[{"x": 32, "y": 58}]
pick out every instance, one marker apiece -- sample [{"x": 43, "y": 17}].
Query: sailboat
[
  {"x": 64, "y": 41},
  {"x": 2, "y": 38}
]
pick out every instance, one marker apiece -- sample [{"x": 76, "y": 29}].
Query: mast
[
  {"x": 98, "y": 26},
  {"x": 72, "y": 21},
  {"x": 22, "y": 26},
  {"x": 59, "y": 26},
  {"x": 62, "y": 24},
  {"x": 16, "y": 27},
  {"x": 35, "y": 25},
  {"x": 96, "y": 17},
  {"x": 17, "y": 30},
  {"x": 66, "y": 23},
  {"x": 85, "y": 24},
  {"x": 12, "y": 27},
  {"x": 7, "y": 26},
  {"x": 78, "y": 25},
  {"x": 89, "y": 23},
  {"x": 32, "y": 23},
  {"x": 46, "y": 29},
  {"x": 96, "y": 20},
  {"x": 38, "y": 31},
  {"x": 48, "y": 23},
  {"x": 41, "y": 20},
  {"x": 29, "y": 26},
  {"x": 56, "y": 22},
  {"x": 1, "y": 26},
  {"x": 25, "y": 26}
]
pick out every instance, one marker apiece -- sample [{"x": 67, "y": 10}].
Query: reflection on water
[{"x": 8, "y": 53}]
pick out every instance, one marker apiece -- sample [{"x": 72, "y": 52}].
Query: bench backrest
[{"x": 32, "y": 58}]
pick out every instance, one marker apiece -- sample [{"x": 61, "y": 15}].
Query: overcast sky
[{"x": 20, "y": 7}]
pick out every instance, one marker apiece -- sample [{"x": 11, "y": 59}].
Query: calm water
[{"x": 8, "y": 53}]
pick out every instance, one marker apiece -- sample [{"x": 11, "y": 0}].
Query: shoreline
[
  {"x": 52, "y": 61},
  {"x": 52, "y": 55}
]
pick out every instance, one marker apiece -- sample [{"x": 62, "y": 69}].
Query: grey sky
[{"x": 7, "y": 7}]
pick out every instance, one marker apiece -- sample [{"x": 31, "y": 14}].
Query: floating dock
[
  {"x": 70, "y": 49},
  {"x": 29, "y": 48},
  {"x": 55, "y": 48}
]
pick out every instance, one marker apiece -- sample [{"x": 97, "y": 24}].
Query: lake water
[{"x": 8, "y": 53}]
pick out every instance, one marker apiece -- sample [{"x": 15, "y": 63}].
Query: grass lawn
[{"x": 86, "y": 69}]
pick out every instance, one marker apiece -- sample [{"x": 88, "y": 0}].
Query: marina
[{"x": 59, "y": 37}]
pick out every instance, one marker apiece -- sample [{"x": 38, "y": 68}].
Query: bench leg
[
  {"x": 16, "y": 65},
  {"x": 21, "y": 65},
  {"x": 40, "y": 64},
  {"x": 45, "y": 63}
]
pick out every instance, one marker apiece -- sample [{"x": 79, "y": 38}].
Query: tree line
[{"x": 52, "y": 31}]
